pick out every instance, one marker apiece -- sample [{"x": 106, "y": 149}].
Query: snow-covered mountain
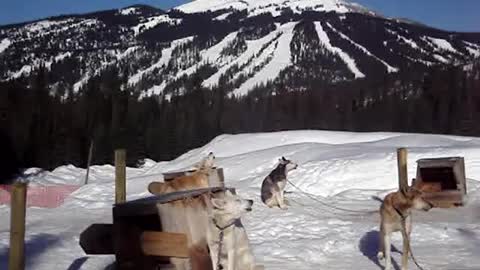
[
  {"x": 235, "y": 45},
  {"x": 274, "y": 7}
]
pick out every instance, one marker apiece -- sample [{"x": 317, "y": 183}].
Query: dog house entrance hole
[{"x": 442, "y": 175}]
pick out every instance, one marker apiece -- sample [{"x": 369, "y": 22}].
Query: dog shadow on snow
[{"x": 369, "y": 246}]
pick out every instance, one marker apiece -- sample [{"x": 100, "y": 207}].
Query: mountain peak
[{"x": 275, "y": 7}]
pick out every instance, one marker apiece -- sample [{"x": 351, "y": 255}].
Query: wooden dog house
[
  {"x": 154, "y": 233},
  {"x": 442, "y": 180}
]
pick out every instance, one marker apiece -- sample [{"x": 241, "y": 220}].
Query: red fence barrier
[{"x": 41, "y": 196}]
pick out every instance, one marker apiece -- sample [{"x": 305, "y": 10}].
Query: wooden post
[
  {"x": 90, "y": 153},
  {"x": 402, "y": 170},
  {"x": 120, "y": 176},
  {"x": 16, "y": 259}
]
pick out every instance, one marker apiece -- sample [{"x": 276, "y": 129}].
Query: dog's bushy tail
[{"x": 376, "y": 198}]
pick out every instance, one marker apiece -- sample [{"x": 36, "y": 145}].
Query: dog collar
[
  {"x": 220, "y": 240},
  {"x": 222, "y": 228}
]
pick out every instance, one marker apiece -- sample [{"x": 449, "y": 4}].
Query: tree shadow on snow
[
  {"x": 33, "y": 249},
  {"x": 369, "y": 246}
]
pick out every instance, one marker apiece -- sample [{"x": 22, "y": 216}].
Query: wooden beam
[
  {"x": 155, "y": 188},
  {"x": 164, "y": 244},
  {"x": 402, "y": 170},
  {"x": 168, "y": 176},
  {"x": 120, "y": 176},
  {"x": 16, "y": 259}
]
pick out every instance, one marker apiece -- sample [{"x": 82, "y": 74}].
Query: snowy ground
[{"x": 343, "y": 168}]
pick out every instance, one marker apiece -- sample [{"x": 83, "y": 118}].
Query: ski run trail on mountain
[{"x": 339, "y": 168}]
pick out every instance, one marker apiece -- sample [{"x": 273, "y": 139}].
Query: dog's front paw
[
  {"x": 283, "y": 207},
  {"x": 380, "y": 255}
]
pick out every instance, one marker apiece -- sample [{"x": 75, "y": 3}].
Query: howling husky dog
[
  {"x": 274, "y": 184},
  {"x": 198, "y": 179},
  {"x": 395, "y": 216},
  {"x": 226, "y": 237}
]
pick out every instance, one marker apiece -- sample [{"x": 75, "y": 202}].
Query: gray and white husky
[
  {"x": 274, "y": 184},
  {"x": 226, "y": 236}
]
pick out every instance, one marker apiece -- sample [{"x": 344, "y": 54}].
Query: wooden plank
[
  {"x": 459, "y": 171},
  {"x": 148, "y": 206},
  {"x": 168, "y": 176},
  {"x": 155, "y": 187},
  {"x": 126, "y": 245},
  {"x": 120, "y": 176},
  {"x": 16, "y": 259},
  {"x": 453, "y": 195},
  {"x": 217, "y": 179},
  {"x": 438, "y": 162},
  {"x": 97, "y": 239},
  {"x": 164, "y": 244},
  {"x": 445, "y": 199},
  {"x": 402, "y": 170}
]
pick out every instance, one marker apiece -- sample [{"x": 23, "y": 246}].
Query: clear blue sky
[{"x": 458, "y": 15}]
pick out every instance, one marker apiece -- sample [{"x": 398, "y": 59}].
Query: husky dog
[
  {"x": 226, "y": 236},
  {"x": 395, "y": 213},
  {"x": 274, "y": 184},
  {"x": 198, "y": 179},
  {"x": 206, "y": 162}
]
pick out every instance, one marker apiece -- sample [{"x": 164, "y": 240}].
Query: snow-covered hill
[
  {"x": 228, "y": 44},
  {"x": 274, "y": 7},
  {"x": 337, "y": 167}
]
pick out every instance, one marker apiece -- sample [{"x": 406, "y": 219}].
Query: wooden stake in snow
[
  {"x": 90, "y": 153},
  {"x": 120, "y": 176},
  {"x": 402, "y": 170},
  {"x": 16, "y": 259}
]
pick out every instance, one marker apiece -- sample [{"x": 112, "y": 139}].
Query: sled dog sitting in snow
[
  {"x": 226, "y": 236},
  {"x": 395, "y": 208},
  {"x": 274, "y": 184},
  {"x": 198, "y": 179}
]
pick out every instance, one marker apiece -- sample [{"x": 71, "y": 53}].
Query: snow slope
[
  {"x": 349, "y": 61},
  {"x": 280, "y": 60},
  {"x": 337, "y": 167},
  {"x": 363, "y": 49},
  {"x": 163, "y": 61},
  {"x": 4, "y": 44}
]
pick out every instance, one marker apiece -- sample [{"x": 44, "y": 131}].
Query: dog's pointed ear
[
  {"x": 218, "y": 203},
  {"x": 284, "y": 159}
]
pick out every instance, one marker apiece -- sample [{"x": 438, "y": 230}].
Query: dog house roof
[
  {"x": 148, "y": 205},
  {"x": 439, "y": 162}
]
